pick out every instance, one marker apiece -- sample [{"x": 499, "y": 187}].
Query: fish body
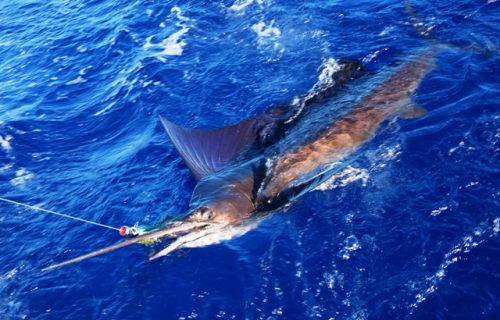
[
  {"x": 243, "y": 190},
  {"x": 242, "y": 175},
  {"x": 343, "y": 137}
]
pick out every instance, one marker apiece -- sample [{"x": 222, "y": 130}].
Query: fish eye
[{"x": 205, "y": 213}]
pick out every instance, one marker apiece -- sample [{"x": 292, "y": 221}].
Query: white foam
[
  {"x": 372, "y": 56},
  {"x": 173, "y": 45},
  {"x": 22, "y": 176},
  {"x": 472, "y": 184},
  {"x": 240, "y": 5},
  {"x": 438, "y": 211},
  {"x": 452, "y": 150},
  {"x": 266, "y": 31},
  {"x": 5, "y": 143},
  {"x": 386, "y": 31},
  {"x": 278, "y": 311},
  {"x": 178, "y": 13},
  {"x": 479, "y": 235},
  {"x": 330, "y": 67},
  {"x": 39, "y": 157},
  {"x": 10, "y": 274},
  {"x": 343, "y": 178},
  {"x": 392, "y": 153},
  {"x": 268, "y": 36},
  {"x": 351, "y": 244},
  {"x": 6, "y": 167},
  {"x": 388, "y": 154},
  {"x": 325, "y": 79},
  {"x": 77, "y": 80}
]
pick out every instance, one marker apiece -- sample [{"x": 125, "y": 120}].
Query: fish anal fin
[{"x": 412, "y": 110}]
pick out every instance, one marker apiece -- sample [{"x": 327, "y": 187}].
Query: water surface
[{"x": 408, "y": 231}]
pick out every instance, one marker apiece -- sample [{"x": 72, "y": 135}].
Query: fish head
[
  {"x": 219, "y": 212},
  {"x": 211, "y": 223},
  {"x": 224, "y": 201}
]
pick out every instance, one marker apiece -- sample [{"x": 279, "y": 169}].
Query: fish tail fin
[{"x": 426, "y": 34}]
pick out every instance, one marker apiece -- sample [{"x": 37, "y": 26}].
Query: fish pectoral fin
[{"x": 412, "y": 110}]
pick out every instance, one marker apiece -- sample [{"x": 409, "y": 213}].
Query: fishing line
[{"x": 58, "y": 213}]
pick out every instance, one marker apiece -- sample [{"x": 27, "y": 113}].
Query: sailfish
[{"x": 247, "y": 170}]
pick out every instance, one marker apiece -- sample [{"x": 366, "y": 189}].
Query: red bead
[{"x": 123, "y": 231}]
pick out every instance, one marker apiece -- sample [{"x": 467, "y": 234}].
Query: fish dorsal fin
[{"x": 206, "y": 151}]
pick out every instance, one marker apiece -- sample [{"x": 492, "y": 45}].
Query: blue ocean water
[{"x": 410, "y": 229}]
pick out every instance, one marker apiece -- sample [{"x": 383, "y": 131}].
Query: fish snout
[{"x": 177, "y": 229}]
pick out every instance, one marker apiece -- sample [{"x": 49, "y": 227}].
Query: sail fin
[{"x": 206, "y": 151}]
